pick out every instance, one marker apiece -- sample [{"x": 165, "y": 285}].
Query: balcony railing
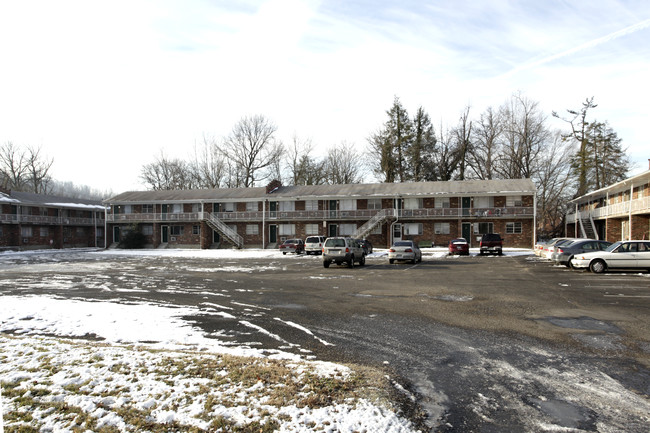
[
  {"x": 614, "y": 210},
  {"x": 49, "y": 220},
  {"x": 321, "y": 215}
]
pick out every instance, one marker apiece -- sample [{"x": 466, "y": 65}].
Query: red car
[
  {"x": 459, "y": 246},
  {"x": 293, "y": 246}
]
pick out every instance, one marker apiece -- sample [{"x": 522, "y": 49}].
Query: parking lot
[{"x": 489, "y": 343}]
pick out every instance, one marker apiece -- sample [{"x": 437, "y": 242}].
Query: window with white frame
[
  {"x": 483, "y": 228},
  {"x": 374, "y": 203},
  {"x": 347, "y": 229},
  {"x": 196, "y": 229},
  {"x": 287, "y": 206},
  {"x": 413, "y": 229},
  {"x": 196, "y": 207},
  {"x": 287, "y": 229},
  {"x": 128, "y": 208},
  {"x": 44, "y": 232},
  {"x": 483, "y": 202},
  {"x": 147, "y": 229},
  {"x": 311, "y": 204},
  {"x": 251, "y": 206},
  {"x": 177, "y": 208},
  {"x": 176, "y": 230},
  {"x": 252, "y": 229},
  {"x": 513, "y": 228},
  {"x": 413, "y": 203},
  {"x": 147, "y": 208},
  {"x": 377, "y": 230},
  {"x": 348, "y": 204},
  {"x": 233, "y": 227},
  {"x": 311, "y": 229},
  {"x": 514, "y": 200},
  {"x": 26, "y": 231},
  {"x": 441, "y": 228},
  {"x": 229, "y": 207},
  {"x": 442, "y": 202}
]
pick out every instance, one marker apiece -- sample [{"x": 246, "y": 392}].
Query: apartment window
[
  {"x": 413, "y": 203},
  {"x": 176, "y": 230},
  {"x": 348, "y": 204},
  {"x": 442, "y": 202},
  {"x": 311, "y": 204},
  {"x": 483, "y": 228},
  {"x": 252, "y": 229},
  {"x": 44, "y": 232},
  {"x": 377, "y": 230},
  {"x": 42, "y": 211},
  {"x": 513, "y": 228},
  {"x": 287, "y": 206},
  {"x": 347, "y": 229},
  {"x": 195, "y": 208},
  {"x": 196, "y": 229},
  {"x": 441, "y": 228},
  {"x": 514, "y": 200},
  {"x": 147, "y": 208},
  {"x": 413, "y": 229},
  {"x": 229, "y": 207},
  {"x": 251, "y": 206},
  {"x": 374, "y": 203},
  {"x": 26, "y": 231},
  {"x": 80, "y": 231},
  {"x": 483, "y": 202},
  {"x": 128, "y": 208},
  {"x": 147, "y": 229},
  {"x": 311, "y": 229},
  {"x": 233, "y": 227},
  {"x": 286, "y": 229}
]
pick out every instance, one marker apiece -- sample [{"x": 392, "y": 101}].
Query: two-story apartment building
[
  {"x": 33, "y": 221},
  {"x": 427, "y": 212},
  {"x": 618, "y": 212}
]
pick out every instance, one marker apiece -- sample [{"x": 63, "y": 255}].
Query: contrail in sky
[{"x": 593, "y": 43}]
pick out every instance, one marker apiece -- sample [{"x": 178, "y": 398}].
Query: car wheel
[
  {"x": 326, "y": 264},
  {"x": 569, "y": 264},
  {"x": 597, "y": 266},
  {"x": 391, "y": 261},
  {"x": 351, "y": 262},
  {"x": 284, "y": 253},
  {"x": 362, "y": 262}
]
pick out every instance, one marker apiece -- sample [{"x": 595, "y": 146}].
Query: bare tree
[
  {"x": 463, "y": 137},
  {"x": 303, "y": 168},
  {"x": 38, "y": 169},
  {"x": 525, "y": 137},
  {"x": 208, "y": 167},
  {"x": 445, "y": 158},
  {"x": 253, "y": 149},
  {"x": 24, "y": 169},
  {"x": 167, "y": 174},
  {"x": 486, "y": 136},
  {"x": 343, "y": 165}
]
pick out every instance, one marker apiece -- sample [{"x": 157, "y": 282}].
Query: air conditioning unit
[
  {"x": 25, "y": 240},
  {"x": 283, "y": 238},
  {"x": 173, "y": 238}
]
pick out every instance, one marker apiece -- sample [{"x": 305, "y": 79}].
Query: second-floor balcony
[
  {"x": 49, "y": 220},
  {"x": 325, "y": 215},
  {"x": 640, "y": 205}
]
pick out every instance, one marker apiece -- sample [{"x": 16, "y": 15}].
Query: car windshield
[
  {"x": 335, "y": 243},
  {"x": 459, "y": 241},
  {"x": 403, "y": 244},
  {"x": 313, "y": 239},
  {"x": 291, "y": 241},
  {"x": 613, "y": 246}
]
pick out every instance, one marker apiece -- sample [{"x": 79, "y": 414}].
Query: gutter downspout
[
  {"x": 263, "y": 224},
  {"x": 629, "y": 228},
  {"x": 535, "y": 220}
]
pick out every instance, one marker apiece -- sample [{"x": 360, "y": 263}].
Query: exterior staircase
[
  {"x": 587, "y": 227},
  {"x": 379, "y": 218},
  {"x": 226, "y": 232}
]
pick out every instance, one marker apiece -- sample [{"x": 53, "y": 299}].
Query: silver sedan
[{"x": 405, "y": 250}]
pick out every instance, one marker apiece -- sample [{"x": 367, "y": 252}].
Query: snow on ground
[{"x": 136, "y": 361}]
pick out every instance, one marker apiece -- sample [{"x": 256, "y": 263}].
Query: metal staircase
[
  {"x": 587, "y": 227},
  {"x": 226, "y": 232},
  {"x": 379, "y": 218}
]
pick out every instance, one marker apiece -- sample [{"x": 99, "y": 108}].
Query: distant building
[
  {"x": 426, "y": 212},
  {"x": 36, "y": 221},
  {"x": 617, "y": 212}
]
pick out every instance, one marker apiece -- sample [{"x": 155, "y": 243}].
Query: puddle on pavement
[
  {"x": 584, "y": 323},
  {"x": 565, "y": 414}
]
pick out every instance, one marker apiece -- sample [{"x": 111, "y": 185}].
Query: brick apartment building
[
  {"x": 427, "y": 212},
  {"x": 36, "y": 221},
  {"x": 617, "y": 212}
]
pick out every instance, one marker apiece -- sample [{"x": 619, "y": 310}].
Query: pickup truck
[{"x": 491, "y": 243}]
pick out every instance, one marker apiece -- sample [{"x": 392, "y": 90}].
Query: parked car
[
  {"x": 459, "y": 246},
  {"x": 620, "y": 255},
  {"x": 564, "y": 253},
  {"x": 366, "y": 245},
  {"x": 491, "y": 243},
  {"x": 314, "y": 244},
  {"x": 292, "y": 246},
  {"x": 343, "y": 250},
  {"x": 546, "y": 247},
  {"x": 404, "y": 250},
  {"x": 547, "y": 252}
]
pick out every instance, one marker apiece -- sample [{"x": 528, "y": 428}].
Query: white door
[{"x": 397, "y": 232}]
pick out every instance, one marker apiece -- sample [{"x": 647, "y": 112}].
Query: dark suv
[{"x": 491, "y": 243}]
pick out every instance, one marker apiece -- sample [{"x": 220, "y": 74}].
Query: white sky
[{"x": 104, "y": 86}]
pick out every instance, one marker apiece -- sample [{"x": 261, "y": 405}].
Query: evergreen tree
[
  {"x": 422, "y": 150},
  {"x": 391, "y": 145}
]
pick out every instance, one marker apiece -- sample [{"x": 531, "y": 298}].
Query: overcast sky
[{"x": 104, "y": 86}]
